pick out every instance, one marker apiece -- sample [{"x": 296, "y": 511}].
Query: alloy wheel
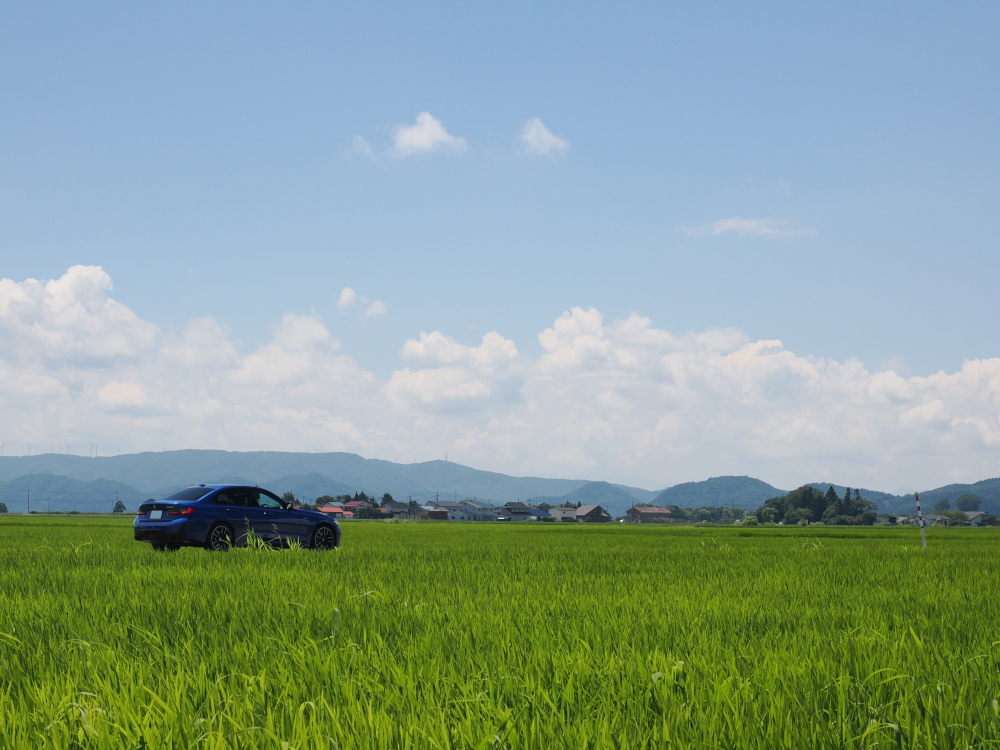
[
  {"x": 220, "y": 539},
  {"x": 324, "y": 538}
]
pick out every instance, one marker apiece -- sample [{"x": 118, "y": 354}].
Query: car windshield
[{"x": 189, "y": 494}]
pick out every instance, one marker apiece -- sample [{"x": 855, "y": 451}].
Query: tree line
[{"x": 810, "y": 505}]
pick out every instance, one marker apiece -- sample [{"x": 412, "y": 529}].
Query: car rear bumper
[{"x": 174, "y": 533}]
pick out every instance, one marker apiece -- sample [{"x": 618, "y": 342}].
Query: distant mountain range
[{"x": 61, "y": 482}]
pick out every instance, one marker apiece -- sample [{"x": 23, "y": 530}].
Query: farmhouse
[
  {"x": 563, "y": 514},
  {"x": 976, "y": 517},
  {"x": 648, "y": 514},
  {"x": 592, "y": 513},
  {"x": 473, "y": 511},
  {"x": 395, "y": 509},
  {"x": 448, "y": 505},
  {"x": 516, "y": 511}
]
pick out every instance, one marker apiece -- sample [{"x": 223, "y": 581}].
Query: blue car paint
[{"x": 186, "y": 517}]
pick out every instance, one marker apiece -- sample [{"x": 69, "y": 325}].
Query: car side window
[
  {"x": 247, "y": 498},
  {"x": 237, "y": 498},
  {"x": 266, "y": 501}
]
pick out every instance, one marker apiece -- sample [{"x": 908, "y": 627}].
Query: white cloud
[
  {"x": 608, "y": 399},
  {"x": 376, "y": 308},
  {"x": 348, "y": 298},
  {"x": 372, "y": 308},
  {"x": 769, "y": 228},
  {"x": 425, "y": 135},
  {"x": 360, "y": 147},
  {"x": 120, "y": 394},
  {"x": 538, "y": 140},
  {"x": 69, "y": 321}
]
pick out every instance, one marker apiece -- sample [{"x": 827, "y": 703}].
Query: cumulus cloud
[
  {"x": 348, "y": 298},
  {"x": 69, "y": 321},
  {"x": 607, "y": 399},
  {"x": 120, "y": 394},
  {"x": 351, "y": 299},
  {"x": 360, "y": 147},
  {"x": 767, "y": 228},
  {"x": 538, "y": 140},
  {"x": 376, "y": 308},
  {"x": 454, "y": 379},
  {"x": 425, "y": 135}
]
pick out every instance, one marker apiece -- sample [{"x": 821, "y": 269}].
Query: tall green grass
[{"x": 489, "y": 636}]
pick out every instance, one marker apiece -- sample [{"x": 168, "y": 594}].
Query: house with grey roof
[
  {"x": 592, "y": 514},
  {"x": 516, "y": 511},
  {"x": 563, "y": 513},
  {"x": 648, "y": 514}
]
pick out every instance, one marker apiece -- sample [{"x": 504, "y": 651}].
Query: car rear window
[{"x": 189, "y": 494}]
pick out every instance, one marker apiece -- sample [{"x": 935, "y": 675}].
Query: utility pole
[
  {"x": 920, "y": 517},
  {"x": 29, "y": 501}
]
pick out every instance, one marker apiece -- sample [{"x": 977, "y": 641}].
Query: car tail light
[
  {"x": 140, "y": 512},
  {"x": 179, "y": 512}
]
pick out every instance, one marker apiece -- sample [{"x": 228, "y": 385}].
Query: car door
[
  {"x": 288, "y": 524},
  {"x": 242, "y": 511}
]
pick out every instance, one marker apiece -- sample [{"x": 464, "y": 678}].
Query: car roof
[{"x": 228, "y": 486}]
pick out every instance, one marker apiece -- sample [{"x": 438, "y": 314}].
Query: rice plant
[{"x": 438, "y": 635}]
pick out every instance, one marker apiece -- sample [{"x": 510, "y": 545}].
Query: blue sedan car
[{"x": 219, "y": 516}]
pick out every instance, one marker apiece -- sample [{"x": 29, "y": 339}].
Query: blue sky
[{"x": 825, "y": 176}]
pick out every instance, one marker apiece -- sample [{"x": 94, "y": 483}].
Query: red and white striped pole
[{"x": 920, "y": 515}]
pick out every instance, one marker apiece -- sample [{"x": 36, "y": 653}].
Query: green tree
[
  {"x": 807, "y": 498},
  {"x": 387, "y": 498},
  {"x": 968, "y": 502},
  {"x": 955, "y": 517},
  {"x": 942, "y": 505},
  {"x": 798, "y": 516},
  {"x": 830, "y": 498},
  {"x": 3, "y": 507},
  {"x": 289, "y": 498},
  {"x": 119, "y": 507}
]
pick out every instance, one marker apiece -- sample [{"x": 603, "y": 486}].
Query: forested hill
[
  {"x": 65, "y": 482},
  {"x": 881, "y": 499},
  {"x": 988, "y": 491},
  {"x": 743, "y": 492},
  {"x": 307, "y": 475}
]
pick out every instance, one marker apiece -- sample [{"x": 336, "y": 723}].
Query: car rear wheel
[
  {"x": 219, "y": 539},
  {"x": 324, "y": 537}
]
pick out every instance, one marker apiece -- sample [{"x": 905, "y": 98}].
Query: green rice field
[{"x": 449, "y": 635}]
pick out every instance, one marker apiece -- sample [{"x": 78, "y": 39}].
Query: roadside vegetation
[{"x": 437, "y": 635}]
